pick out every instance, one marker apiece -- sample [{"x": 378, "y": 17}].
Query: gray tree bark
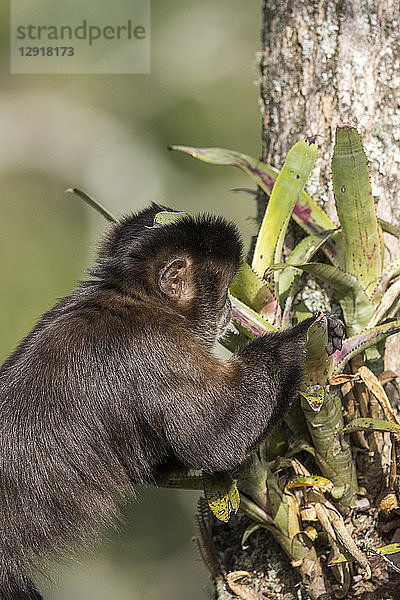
[
  {"x": 331, "y": 62},
  {"x": 326, "y": 63}
]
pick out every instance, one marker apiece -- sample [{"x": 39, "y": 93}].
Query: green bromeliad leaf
[
  {"x": 221, "y": 494},
  {"x": 306, "y": 212},
  {"x": 332, "y": 450},
  {"x": 355, "y": 207},
  {"x": 346, "y": 557},
  {"x": 367, "y": 424},
  {"x": 362, "y": 341},
  {"x": 323, "y": 414},
  {"x": 357, "y": 310},
  {"x": 248, "y": 321},
  {"x": 301, "y": 254},
  {"x": 253, "y": 291},
  {"x": 318, "y": 366},
  {"x": 167, "y": 217},
  {"x": 248, "y": 532},
  {"x": 291, "y": 179},
  {"x": 314, "y": 397},
  {"x": 387, "y": 300},
  {"x": 322, "y": 483}
]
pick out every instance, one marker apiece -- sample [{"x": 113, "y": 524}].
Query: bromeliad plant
[
  {"x": 263, "y": 296},
  {"x": 277, "y": 491}
]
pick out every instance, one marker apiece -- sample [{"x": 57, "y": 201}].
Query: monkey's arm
[{"x": 215, "y": 414}]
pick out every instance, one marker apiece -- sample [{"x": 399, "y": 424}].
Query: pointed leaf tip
[{"x": 288, "y": 185}]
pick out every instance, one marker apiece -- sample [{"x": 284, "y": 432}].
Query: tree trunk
[
  {"x": 329, "y": 63},
  {"x": 324, "y": 64}
]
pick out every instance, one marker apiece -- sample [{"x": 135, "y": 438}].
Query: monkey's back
[{"x": 71, "y": 425}]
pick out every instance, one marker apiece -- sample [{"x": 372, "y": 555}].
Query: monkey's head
[{"x": 186, "y": 266}]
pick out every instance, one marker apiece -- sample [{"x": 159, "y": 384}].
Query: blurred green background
[{"x": 108, "y": 135}]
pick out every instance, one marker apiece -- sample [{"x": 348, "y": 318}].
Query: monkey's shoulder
[
  {"x": 99, "y": 319},
  {"x": 91, "y": 318}
]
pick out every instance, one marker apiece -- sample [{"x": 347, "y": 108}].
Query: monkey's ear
[{"x": 173, "y": 279}]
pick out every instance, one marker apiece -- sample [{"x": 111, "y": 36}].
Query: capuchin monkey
[{"x": 118, "y": 380}]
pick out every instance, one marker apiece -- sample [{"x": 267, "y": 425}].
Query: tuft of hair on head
[{"x": 133, "y": 247}]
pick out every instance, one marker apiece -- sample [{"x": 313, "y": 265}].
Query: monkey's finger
[
  {"x": 329, "y": 348},
  {"x": 339, "y": 329},
  {"x": 335, "y": 327},
  {"x": 337, "y": 343}
]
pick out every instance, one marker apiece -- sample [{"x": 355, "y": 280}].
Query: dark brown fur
[{"x": 119, "y": 380}]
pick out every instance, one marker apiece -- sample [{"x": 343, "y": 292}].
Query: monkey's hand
[{"x": 336, "y": 332}]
